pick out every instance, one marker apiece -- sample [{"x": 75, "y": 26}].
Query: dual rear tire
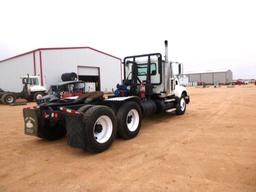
[
  {"x": 102, "y": 125},
  {"x": 129, "y": 118},
  {"x": 100, "y": 128}
]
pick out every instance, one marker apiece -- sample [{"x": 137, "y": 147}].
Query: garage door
[
  {"x": 91, "y": 75},
  {"x": 88, "y": 71}
]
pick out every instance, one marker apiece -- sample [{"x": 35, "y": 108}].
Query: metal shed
[
  {"x": 90, "y": 64},
  {"x": 222, "y": 77}
]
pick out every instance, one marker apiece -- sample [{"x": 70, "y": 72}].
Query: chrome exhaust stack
[{"x": 167, "y": 70}]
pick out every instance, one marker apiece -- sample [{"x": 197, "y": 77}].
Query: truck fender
[
  {"x": 179, "y": 90},
  {"x": 116, "y": 102},
  {"x": 122, "y": 99}
]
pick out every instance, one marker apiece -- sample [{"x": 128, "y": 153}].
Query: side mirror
[
  {"x": 179, "y": 68},
  {"x": 24, "y": 81}
]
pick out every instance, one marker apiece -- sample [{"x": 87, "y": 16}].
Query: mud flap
[
  {"x": 75, "y": 130},
  {"x": 187, "y": 99},
  {"x": 31, "y": 121}
]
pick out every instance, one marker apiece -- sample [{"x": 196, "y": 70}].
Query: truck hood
[{"x": 36, "y": 88}]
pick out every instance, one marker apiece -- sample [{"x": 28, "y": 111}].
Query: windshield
[
  {"x": 31, "y": 81},
  {"x": 143, "y": 69},
  {"x": 34, "y": 81},
  {"x": 54, "y": 90},
  {"x": 76, "y": 87}
]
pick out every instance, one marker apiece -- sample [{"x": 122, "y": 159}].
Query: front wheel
[
  {"x": 129, "y": 120},
  {"x": 181, "y": 105},
  {"x": 100, "y": 128},
  {"x": 38, "y": 96}
]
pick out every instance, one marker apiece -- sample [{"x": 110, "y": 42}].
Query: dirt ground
[{"x": 210, "y": 148}]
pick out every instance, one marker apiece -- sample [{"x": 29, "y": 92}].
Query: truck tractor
[
  {"x": 31, "y": 91},
  {"x": 92, "y": 122}
]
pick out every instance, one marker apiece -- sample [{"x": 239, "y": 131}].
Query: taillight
[
  {"x": 45, "y": 115},
  {"x": 56, "y": 115}
]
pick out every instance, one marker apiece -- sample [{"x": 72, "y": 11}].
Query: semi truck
[{"x": 91, "y": 122}]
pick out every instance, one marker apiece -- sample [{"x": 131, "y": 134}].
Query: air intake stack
[{"x": 167, "y": 70}]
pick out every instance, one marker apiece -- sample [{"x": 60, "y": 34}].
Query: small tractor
[
  {"x": 91, "y": 122},
  {"x": 68, "y": 89},
  {"x": 31, "y": 91}
]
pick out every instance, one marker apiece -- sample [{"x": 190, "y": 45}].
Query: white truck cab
[{"x": 36, "y": 90}]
